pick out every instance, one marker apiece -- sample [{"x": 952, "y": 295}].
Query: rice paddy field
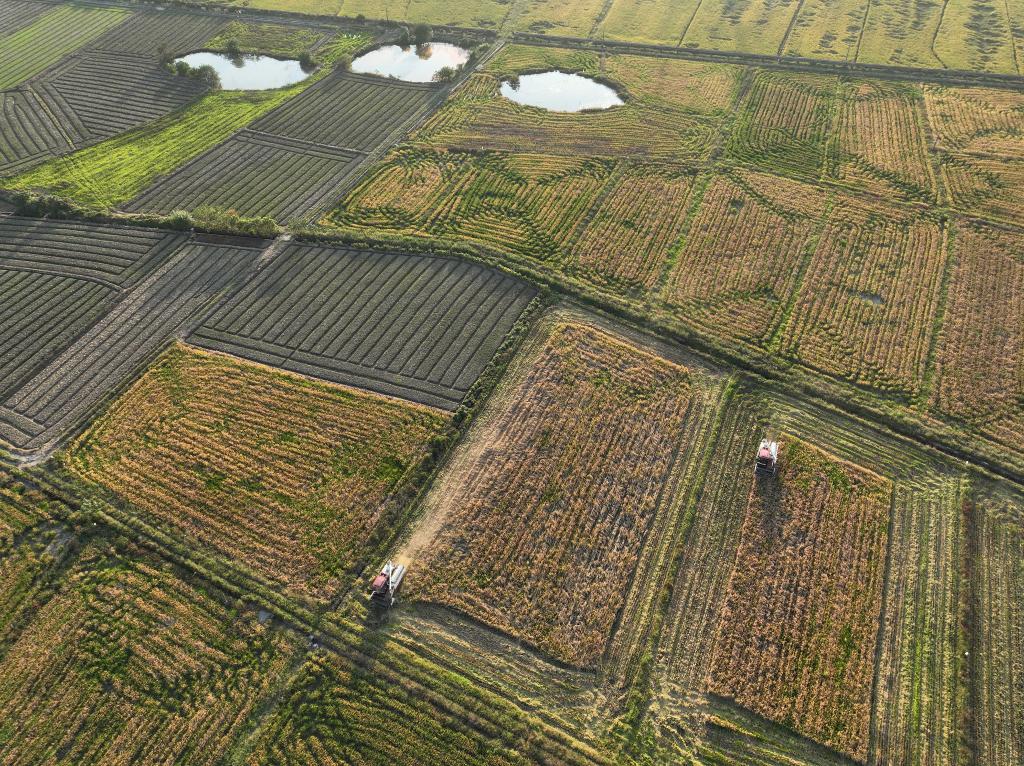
[{"x": 523, "y": 343}]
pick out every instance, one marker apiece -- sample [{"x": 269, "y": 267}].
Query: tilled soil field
[{"x": 416, "y": 327}]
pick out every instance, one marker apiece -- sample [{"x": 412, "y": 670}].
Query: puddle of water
[
  {"x": 412, "y": 64},
  {"x": 560, "y": 92},
  {"x": 249, "y": 72}
]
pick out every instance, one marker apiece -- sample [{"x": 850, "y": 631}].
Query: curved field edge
[{"x": 115, "y": 171}]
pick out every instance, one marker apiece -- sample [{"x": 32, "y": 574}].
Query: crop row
[
  {"x": 114, "y": 255},
  {"x": 254, "y": 174},
  {"x": 16, "y": 14},
  {"x": 27, "y": 134},
  {"x": 163, "y": 32},
  {"x": 51, "y": 36},
  {"x": 417, "y": 327},
  {"x": 352, "y": 111},
  {"x": 544, "y": 523},
  {"x": 96, "y": 95},
  {"x": 129, "y": 663},
  {"x": 108, "y": 352},
  {"x": 291, "y": 479}
]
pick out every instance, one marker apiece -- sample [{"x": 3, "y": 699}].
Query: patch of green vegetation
[
  {"x": 51, "y": 37},
  {"x": 113, "y": 172},
  {"x": 269, "y": 39}
]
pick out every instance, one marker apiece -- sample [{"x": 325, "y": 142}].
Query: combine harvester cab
[
  {"x": 384, "y": 588},
  {"x": 767, "y": 461}
]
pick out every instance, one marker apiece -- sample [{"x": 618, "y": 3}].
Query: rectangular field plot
[
  {"x": 880, "y": 140},
  {"x": 980, "y": 357},
  {"x": 784, "y": 123},
  {"x": 351, "y": 111},
  {"x": 50, "y": 37},
  {"x": 293, "y": 479},
  {"x": 743, "y": 253},
  {"x": 127, "y": 662},
  {"x": 867, "y": 307},
  {"x": 96, "y": 95},
  {"x": 28, "y": 134},
  {"x": 997, "y": 608},
  {"x": 797, "y": 638},
  {"x": 648, "y": 21},
  {"x": 539, "y": 525},
  {"x": 163, "y": 32},
  {"x": 416, "y": 327},
  {"x": 161, "y": 304},
  {"x": 57, "y": 279},
  {"x": 256, "y": 175}
]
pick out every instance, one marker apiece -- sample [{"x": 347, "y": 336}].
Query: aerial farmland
[{"x": 511, "y": 382}]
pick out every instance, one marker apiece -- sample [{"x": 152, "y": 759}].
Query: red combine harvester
[
  {"x": 767, "y": 462},
  {"x": 385, "y": 585}
]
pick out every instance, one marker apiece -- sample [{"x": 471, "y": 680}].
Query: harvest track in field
[
  {"x": 293, "y": 160},
  {"x": 86, "y": 327},
  {"x": 122, "y": 633},
  {"x": 416, "y": 327},
  {"x": 439, "y": 708},
  {"x": 299, "y": 482}
]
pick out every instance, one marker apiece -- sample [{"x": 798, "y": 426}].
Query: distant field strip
[
  {"x": 152, "y": 33},
  {"x": 416, "y": 327},
  {"x": 27, "y": 133},
  {"x": 255, "y": 174},
  {"x": 112, "y": 349},
  {"x": 350, "y": 111},
  {"x": 98, "y": 95},
  {"x": 49, "y": 38}
]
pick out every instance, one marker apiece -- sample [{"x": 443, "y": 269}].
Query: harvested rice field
[{"x": 642, "y": 384}]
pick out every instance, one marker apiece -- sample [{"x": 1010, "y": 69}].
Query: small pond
[
  {"x": 248, "y": 72},
  {"x": 560, "y": 92},
  {"x": 412, "y": 64}
]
